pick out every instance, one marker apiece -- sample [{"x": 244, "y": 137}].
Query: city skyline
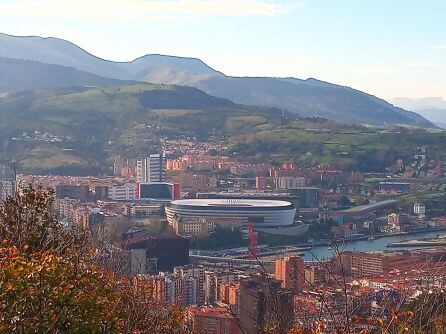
[{"x": 387, "y": 49}]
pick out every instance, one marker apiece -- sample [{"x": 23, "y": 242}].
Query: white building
[
  {"x": 289, "y": 182},
  {"x": 126, "y": 192},
  {"x": 151, "y": 169},
  {"x": 264, "y": 213},
  {"x": 419, "y": 209},
  {"x": 193, "y": 226}
]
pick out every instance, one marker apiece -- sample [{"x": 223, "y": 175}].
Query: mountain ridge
[
  {"x": 19, "y": 74},
  {"x": 432, "y": 108},
  {"x": 310, "y": 97}
]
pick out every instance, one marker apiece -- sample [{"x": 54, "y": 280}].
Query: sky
[{"x": 390, "y": 48}]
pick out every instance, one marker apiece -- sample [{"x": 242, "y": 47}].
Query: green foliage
[
  {"x": 220, "y": 238},
  {"x": 43, "y": 293},
  {"x": 320, "y": 230},
  {"x": 101, "y": 122},
  {"x": 343, "y": 146}
]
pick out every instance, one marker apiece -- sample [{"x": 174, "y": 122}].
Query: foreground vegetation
[{"x": 58, "y": 281}]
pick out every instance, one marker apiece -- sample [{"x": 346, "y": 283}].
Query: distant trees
[{"x": 220, "y": 238}]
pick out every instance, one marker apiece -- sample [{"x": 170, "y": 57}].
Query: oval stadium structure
[{"x": 268, "y": 213}]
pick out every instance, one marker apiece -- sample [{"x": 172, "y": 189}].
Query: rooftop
[
  {"x": 231, "y": 202},
  {"x": 371, "y": 206}
]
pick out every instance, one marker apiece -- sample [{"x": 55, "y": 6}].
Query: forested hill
[{"x": 78, "y": 130}]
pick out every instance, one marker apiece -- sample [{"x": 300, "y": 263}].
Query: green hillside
[
  {"x": 311, "y": 142},
  {"x": 77, "y": 130},
  {"x": 94, "y": 123}
]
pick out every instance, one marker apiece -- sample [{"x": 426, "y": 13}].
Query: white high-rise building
[
  {"x": 151, "y": 169},
  {"x": 419, "y": 209}
]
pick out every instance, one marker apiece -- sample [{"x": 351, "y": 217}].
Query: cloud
[
  {"x": 440, "y": 47},
  {"x": 123, "y": 10}
]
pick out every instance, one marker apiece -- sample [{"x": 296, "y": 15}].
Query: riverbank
[
  {"x": 366, "y": 245},
  {"x": 367, "y": 237}
]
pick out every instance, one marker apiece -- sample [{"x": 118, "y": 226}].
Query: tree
[
  {"x": 55, "y": 280},
  {"x": 43, "y": 293},
  {"x": 27, "y": 219}
]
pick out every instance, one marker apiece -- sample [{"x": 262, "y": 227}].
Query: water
[{"x": 379, "y": 244}]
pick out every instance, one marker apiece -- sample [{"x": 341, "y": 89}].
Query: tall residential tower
[{"x": 151, "y": 169}]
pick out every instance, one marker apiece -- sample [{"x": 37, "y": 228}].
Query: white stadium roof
[{"x": 231, "y": 203}]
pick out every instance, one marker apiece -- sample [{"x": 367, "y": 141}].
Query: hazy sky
[{"x": 386, "y": 47}]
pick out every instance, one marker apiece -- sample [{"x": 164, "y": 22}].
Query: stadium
[{"x": 267, "y": 213}]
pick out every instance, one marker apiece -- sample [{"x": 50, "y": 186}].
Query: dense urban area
[
  {"x": 222, "y": 167},
  {"x": 206, "y": 229}
]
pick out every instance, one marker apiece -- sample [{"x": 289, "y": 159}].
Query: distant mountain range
[
  {"x": 432, "y": 108},
  {"x": 76, "y": 67},
  {"x": 18, "y": 75}
]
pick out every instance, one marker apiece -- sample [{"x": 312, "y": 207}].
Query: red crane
[{"x": 253, "y": 250}]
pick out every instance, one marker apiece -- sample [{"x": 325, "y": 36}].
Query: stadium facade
[{"x": 264, "y": 213}]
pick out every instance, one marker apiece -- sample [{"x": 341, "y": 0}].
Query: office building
[
  {"x": 158, "y": 191},
  {"x": 290, "y": 182},
  {"x": 101, "y": 193},
  {"x": 151, "y": 169},
  {"x": 308, "y": 197},
  {"x": 125, "y": 192}
]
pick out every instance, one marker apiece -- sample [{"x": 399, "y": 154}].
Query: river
[{"x": 379, "y": 244}]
